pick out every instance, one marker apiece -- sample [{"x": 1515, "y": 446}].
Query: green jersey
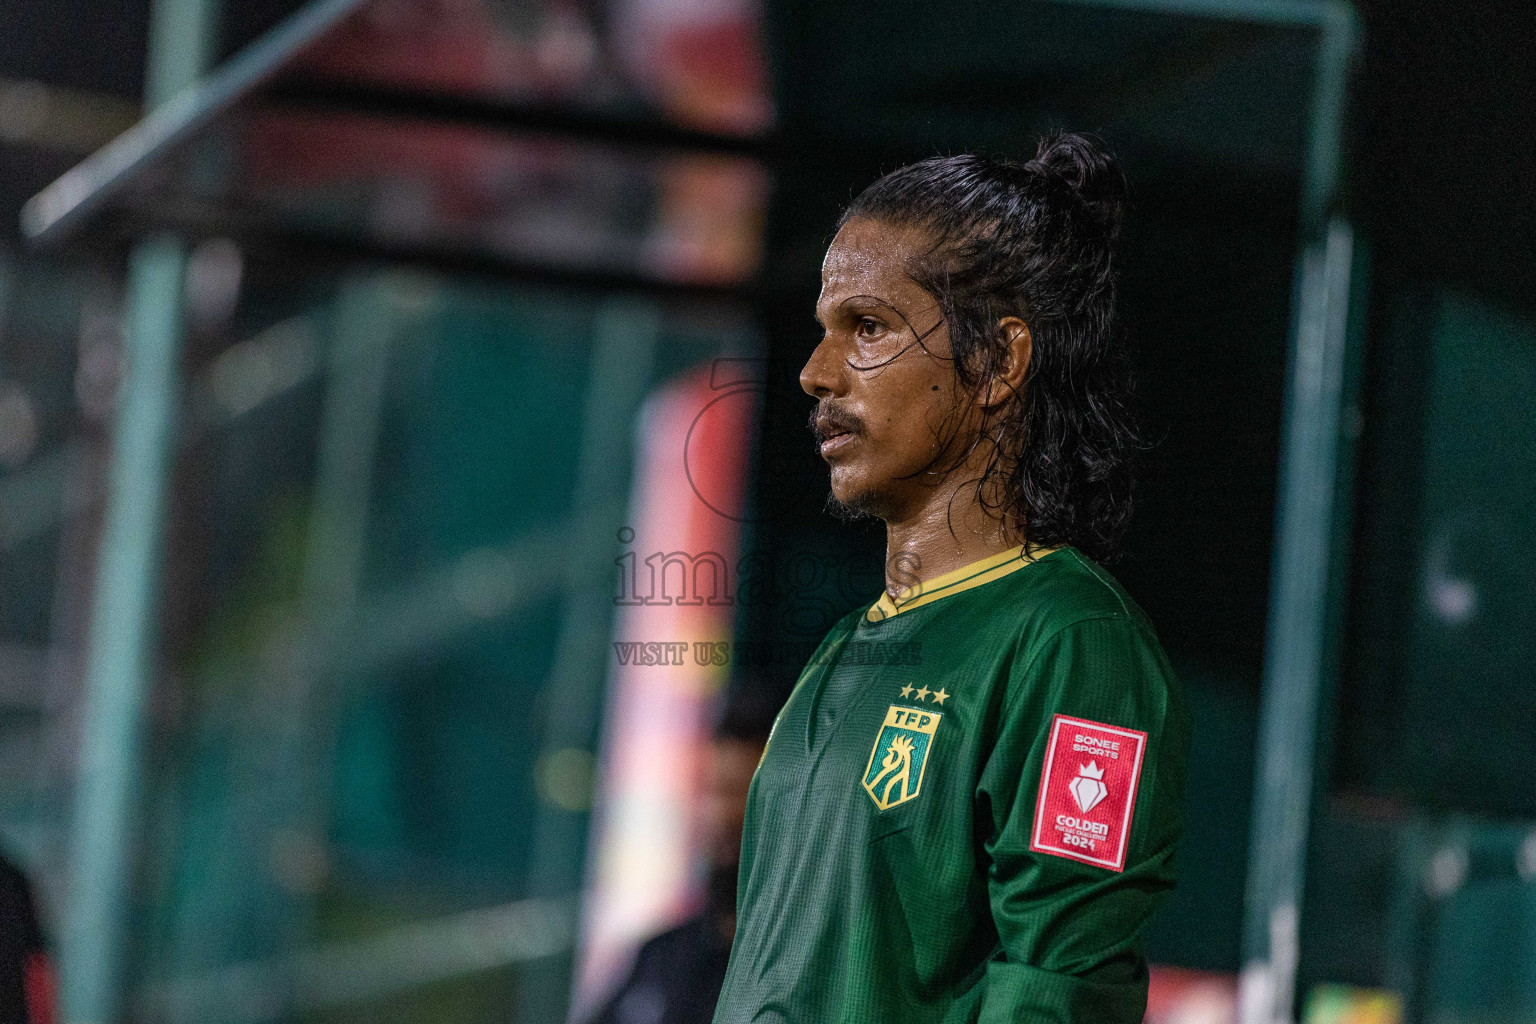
[{"x": 976, "y": 829}]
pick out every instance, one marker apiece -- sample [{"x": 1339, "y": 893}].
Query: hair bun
[{"x": 1083, "y": 163}]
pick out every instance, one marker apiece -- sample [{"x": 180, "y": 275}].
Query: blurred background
[{"x": 408, "y": 528}]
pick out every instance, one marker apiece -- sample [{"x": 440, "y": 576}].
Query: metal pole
[
  {"x": 120, "y": 659},
  {"x": 1296, "y": 668},
  {"x": 625, "y": 342},
  {"x": 1299, "y": 621}
]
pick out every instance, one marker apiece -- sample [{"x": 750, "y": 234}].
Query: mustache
[{"x": 828, "y": 420}]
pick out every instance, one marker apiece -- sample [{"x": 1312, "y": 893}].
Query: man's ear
[{"x": 1018, "y": 349}]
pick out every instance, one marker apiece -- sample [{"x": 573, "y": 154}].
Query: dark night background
[{"x": 1443, "y": 160}]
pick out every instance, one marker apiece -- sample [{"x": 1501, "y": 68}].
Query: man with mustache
[{"x": 981, "y": 836}]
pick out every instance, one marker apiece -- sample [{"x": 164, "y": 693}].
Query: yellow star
[
  {"x": 939, "y": 696},
  {"x": 906, "y": 691},
  {"x": 923, "y": 693}
]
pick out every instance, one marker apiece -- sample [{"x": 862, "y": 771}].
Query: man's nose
[{"x": 821, "y": 376}]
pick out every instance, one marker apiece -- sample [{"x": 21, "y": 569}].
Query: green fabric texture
[{"x": 935, "y": 910}]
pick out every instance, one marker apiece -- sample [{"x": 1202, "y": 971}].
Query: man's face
[{"x": 882, "y": 375}]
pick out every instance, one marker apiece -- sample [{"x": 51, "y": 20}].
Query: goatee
[{"x": 858, "y": 509}]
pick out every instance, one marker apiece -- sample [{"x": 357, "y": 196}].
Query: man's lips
[
  {"x": 833, "y": 431},
  {"x": 835, "y": 440}
]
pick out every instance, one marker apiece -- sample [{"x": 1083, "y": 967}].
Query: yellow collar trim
[{"x": 993, "y": 567}]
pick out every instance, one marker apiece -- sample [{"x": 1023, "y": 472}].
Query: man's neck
[{"x": 950, "y": 531}]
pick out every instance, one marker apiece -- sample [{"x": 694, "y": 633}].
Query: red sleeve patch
[{"x": 1088, "y": 792}]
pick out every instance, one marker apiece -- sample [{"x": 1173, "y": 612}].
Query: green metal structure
[
  {"x": 122, "y": 645},
  {"x": 121, "y": 661}
]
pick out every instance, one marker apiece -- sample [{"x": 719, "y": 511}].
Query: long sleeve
[{"x": 1081, "y": 794}]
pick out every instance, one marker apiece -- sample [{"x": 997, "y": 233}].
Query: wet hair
[{"x": 1036, "y": 241}]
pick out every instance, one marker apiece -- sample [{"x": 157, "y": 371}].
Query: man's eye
[{"x": 867, "y": 327}]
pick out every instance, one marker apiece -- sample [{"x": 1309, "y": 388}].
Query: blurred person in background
[
  {"x": 676, "y": 975},
  {"x": 982, "y": 835},
  {"x": 26, "y": 973}
]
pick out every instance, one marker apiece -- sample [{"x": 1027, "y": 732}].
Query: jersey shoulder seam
[
  {"x": 1096, "y": 573},
  {"x": 1121, "y": 616}
]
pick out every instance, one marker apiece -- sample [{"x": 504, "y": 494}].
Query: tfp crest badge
[{"x": 896, "y": 764}]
